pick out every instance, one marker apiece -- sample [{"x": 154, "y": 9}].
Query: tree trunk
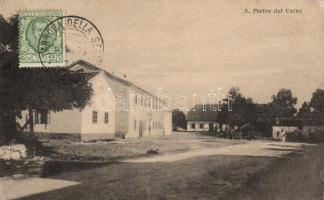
[
  {"x": 7, "y": 124},
  {"x": 31, "y": 120}
]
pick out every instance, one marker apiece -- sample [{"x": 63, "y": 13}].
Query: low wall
[
  {"x": 311, "y": 133},
  {"x": 276, "y": 130},
  {"x": 315, "y": 133}
]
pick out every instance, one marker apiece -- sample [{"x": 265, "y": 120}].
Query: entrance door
[
  {"x": 140, "y": 128},
  {"x": 211, "y": 127}
]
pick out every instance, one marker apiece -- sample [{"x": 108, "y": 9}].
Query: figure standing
[
  {"x": 283, "y": 136},
  {"x": 225, "y": 132}
]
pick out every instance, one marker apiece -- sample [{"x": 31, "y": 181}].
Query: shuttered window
[
  {"x": 106, "y": 117},
  {"x": 94, "y": 117}
]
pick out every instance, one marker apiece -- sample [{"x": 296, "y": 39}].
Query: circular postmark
[{"x": 82, "y": 41}]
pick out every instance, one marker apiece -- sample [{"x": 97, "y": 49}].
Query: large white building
[{"x": 118, "y": 108}]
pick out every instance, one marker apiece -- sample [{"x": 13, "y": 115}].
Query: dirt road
[
  {"x": 299, "y": 176},
  {"x": 253, "y": 148},
  {"x": 256, "y": 170}
]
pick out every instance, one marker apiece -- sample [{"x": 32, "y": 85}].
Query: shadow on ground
[
  {"x": 52, "y": 168},
  {"x": 201, "y": 177}
]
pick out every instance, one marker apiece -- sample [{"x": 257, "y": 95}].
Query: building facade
[
  {"x": 303, "y": 128},
  {"x": 118, "y": 108},
  {"x": 203, "y": 117}
]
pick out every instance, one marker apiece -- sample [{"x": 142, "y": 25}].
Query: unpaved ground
[
  {"x": 256, "y": 170},
  {"x": 252, "y": 148},
  {"x": 128, "y": 148},
  {"x": 299, "y": 176}
]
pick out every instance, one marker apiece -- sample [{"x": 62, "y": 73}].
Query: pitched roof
[
  {"x": 203, "y": 112},
  {"x": 90, "y": 75},
  {"x": 85, "y": 64},
  {"x": 94, "y": 69}
]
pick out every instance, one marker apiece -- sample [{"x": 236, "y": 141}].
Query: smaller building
[
  {"x": 298, "y": 129},
  {"x": 203, "y": 117}
]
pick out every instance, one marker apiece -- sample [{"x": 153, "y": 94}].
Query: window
[
  {"x": 147, "y": 102},
  {"x": 135, "y": 125},
  {"x": 94, "y": 117},
  {"x": 136, "y": 98},
  {"x": 106, "y": 117},
  {"x": 193, "y": 126},
  {"x": 201, "y": 126}
]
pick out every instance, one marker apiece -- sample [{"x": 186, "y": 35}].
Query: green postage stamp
[{"x": 41, "y": 42}]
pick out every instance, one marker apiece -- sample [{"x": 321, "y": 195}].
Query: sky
[{"x": 189, "y": 47}]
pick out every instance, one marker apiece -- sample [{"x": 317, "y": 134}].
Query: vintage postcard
[{"x": 161, "y": 99}]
